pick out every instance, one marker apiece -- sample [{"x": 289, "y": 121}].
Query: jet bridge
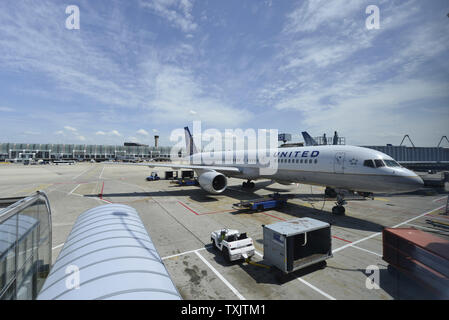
[
  {"x": 25, "y": 246},
  {"x": 109, "y": 255}
]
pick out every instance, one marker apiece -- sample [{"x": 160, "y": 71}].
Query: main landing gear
[
  {"x": 248, "y": 185},
  {"x": 339, "y": 208}
]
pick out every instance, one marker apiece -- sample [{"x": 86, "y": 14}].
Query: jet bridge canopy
[{"x": 109, "y": 255}]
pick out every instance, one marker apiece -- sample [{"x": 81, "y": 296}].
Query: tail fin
[
  {"x": 190, "y": 145},
  {"x": 308, "y": 139}
]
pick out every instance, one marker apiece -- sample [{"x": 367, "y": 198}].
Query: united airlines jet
[{"x": 336, "y": 167}]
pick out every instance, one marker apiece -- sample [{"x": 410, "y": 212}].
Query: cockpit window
[
  {"x": 391, "y": 163},
  {"x": 369, "y": 163},
  {"x": 379, "y": 163}
]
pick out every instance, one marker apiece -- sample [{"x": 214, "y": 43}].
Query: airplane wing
[{"x": 181, "y": 166}]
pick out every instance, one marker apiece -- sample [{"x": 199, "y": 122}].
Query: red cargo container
[{"x": 421, "y": 255}]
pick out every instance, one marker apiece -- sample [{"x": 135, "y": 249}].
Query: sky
[{"x": 137, "y": 68}]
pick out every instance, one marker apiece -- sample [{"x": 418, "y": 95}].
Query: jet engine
[{"x": 213, "y": 182}]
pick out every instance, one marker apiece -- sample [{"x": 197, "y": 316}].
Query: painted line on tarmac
[
  {"x": 58, "y": 246},
  {"x": 267, "y": 214},
  {"x": 81, "y": 173},
  {"x": 379, "y": 233},
  {"x": 366, "y": 250},
  {"x": 307, "y": 283},
  {"x": 188, "y": 208},
  {"x": 101, "y": 174},
  {"x": 439, "y": 199},
  {"x": 182, "y": 253},
  {"x": 74, "y": 189},
  {"x": 226, "y": 282},
  {"x": 316, "y": 289}
]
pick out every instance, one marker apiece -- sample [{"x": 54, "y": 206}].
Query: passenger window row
[{"x": 304, "y": 161}]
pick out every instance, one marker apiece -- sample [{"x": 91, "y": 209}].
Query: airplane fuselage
[{"x": 335, "y": 166}]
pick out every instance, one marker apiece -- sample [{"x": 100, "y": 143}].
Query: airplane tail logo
[
  {"x": 308, "y": 139},
  {"x": 190, "y": 145}
]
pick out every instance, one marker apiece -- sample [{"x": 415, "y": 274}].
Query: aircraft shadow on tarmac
[{"x": 292, "y": 209}]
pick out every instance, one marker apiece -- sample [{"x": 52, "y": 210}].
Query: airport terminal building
[{"x": 21, "y": 151}]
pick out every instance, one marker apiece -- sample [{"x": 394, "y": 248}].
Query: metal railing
[{"x": 25, "y": 246}]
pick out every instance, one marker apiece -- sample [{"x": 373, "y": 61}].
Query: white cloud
[
  {"x": 311, "y": 14},
  {"x": 143, "y": 132},
  {"x": 6, "y": 109},
  {"x": 100, "y": 133},
  {"x": 81, "y": 138},
  {"x": 69, "y": 128},
  {"x": 178, "y": 92},
  {"x": 31, "y": 133},
  {"x": 177, "y": 12},
  {"x": 133, "y": 139},
  {"x": 59, "y": 132},
  {"x": 115, "y": 133}
]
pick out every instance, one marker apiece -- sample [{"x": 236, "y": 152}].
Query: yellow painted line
[
  {"x": 257, "y": 264},
  {"x": 381, "y": 199}
]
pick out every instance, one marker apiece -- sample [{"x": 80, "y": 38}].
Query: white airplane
[{"x": 336, "y": 167}]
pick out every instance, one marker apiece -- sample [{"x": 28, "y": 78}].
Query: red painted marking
[
  {"x": 213, "y": 212},
  {"x": 267, "y": 214},
  {"x": 185, "y": 206},
  {"x": 341, "y": 239},
  {"x": 101, "y": 192}
]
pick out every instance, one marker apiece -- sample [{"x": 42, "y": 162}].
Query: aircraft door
[{"x": 339, "y": 162}]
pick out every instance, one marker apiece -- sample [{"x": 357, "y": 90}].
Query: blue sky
[{"x": 142, "y": 67}]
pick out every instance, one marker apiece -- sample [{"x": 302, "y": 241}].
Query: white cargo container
[{"x": 298, "y": 243}]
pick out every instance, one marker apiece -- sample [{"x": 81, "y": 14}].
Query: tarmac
[{"x": 179, "y": 221}]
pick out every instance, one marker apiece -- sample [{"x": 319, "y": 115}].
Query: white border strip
[
  {"x": 439, "y": 199},
  {"x": 316, "y": 289},
  {"x": 220, "y": 276},
  {"x": 58, "y": 246},
  {"x": 74, "y": 189},
  {"x": 81, "y": 173},
  {"x": 378, "y": 233},
  {"x": 366, "y": 250},
  {"x": 182, "y": 253},
  {"x": 307, "y": 283}
]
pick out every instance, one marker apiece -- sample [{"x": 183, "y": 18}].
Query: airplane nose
[{"x": 414, "y": 182}]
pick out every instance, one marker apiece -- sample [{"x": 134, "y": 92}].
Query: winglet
[{"x": 190, "y": 145}]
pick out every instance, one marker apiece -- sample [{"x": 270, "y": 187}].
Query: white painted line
[
  {"x": 378, "y": 233},
  {"x": 306, "y": 283},
  {"x": 59, "y": 245},
  {"x": 77, "y": 194},
  {"x": 101, "y": 174},
  {"x": 366, "y": 250},
  {"x": 421, "y": 215},
  {"x": 427, "y": 228},
  {"x": 439, "y": 199},
  {"x": 182, "y": 253},
  {"x": 81, "y": 174},
  {"x": 74, "y": 189},
  {"x": 355, "y": 242},
  {"x": 220, "y": 276},
  {"x": 316, "y": 289}
]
